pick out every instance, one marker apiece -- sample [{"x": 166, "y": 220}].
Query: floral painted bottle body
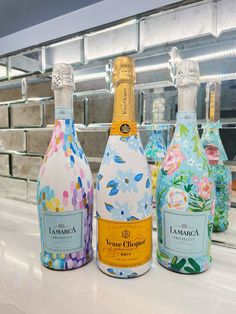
[
  {"x": 124, "y": 197},
  {"x": 185, "y": 189},
  {"x": 155, "y": 150},
  {"x": 222, "y": 175},
  {"x": 65, "y": 188}
]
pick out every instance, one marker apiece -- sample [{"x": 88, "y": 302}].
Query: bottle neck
[
  {"x": 212, "y": 106},
  {"x": 187, "y": 99},
  {"x": 63, "y": 104},
  {"x": 123, "y": 121}
]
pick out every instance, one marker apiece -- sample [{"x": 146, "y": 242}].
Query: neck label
[
  {"x": 186, "y": 117},
  {"x": 124, "y": 128},
  {"x": 63, "y": 112}
]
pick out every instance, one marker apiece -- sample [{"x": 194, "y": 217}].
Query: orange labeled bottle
[{"x": 124, "y": 194}]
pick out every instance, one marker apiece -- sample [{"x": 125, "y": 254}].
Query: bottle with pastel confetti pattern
[
  {"x": 65, "y": 186},
  {"x": 185, "y": 189},
  {"x": 124, "y": 195}
]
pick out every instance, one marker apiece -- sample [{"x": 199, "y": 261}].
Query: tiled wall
[{"x": 25, "y": 132}]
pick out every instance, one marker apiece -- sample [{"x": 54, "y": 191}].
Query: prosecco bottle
[
  {"x": 65, "y": 188},
  {"x": 155, "y": 150},
  {"x": 185, "y": 189},
  {"x": 124, "y": 196},
  {"x": 222, "y": 175}
]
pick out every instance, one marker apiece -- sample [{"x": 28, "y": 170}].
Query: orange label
[
  {"x": 124, "y": 244},
  {"x": 124, "y": 128}
]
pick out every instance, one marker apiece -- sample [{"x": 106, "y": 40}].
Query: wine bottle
[
  {"x": 185, "y": 188},
  {"x": 216, "y": 155},
  {"x": 65, "y": 188},
  {"x": 124, "y": 197},
  {"x": 155, "y": 150}
]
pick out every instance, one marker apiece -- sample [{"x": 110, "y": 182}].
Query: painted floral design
[
  {"x": 122, "y": 272},
  {"x": 156, "y": 148},
  {"x": 124, "y": 192},
  {"x": 173, "y": 159},
  {"x": 212, "y": 153},
  {"x": 216, "y": 155},
  {"x": 144, "y": 205},
  {"x": 185, "y": 184},
  {"x": 177, "y": 199},
  {"x": 126, "y": 181},
  {"x": 119, "y": 211},
  {"x": 205, "y": 188}
]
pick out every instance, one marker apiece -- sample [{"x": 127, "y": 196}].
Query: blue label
[
  {"x": 186, "y": 117},
  {"x": 185, "y": 234},
  {"x": 63, "y": 232},
  {"x": 63, "y": 112}
]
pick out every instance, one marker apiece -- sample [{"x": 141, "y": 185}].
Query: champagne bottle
[
  {"x": 65, "y": 188},
  {"x": 216, "y": 155},
  {"x": 124, "y": 197},
  {"x": 185, "y": 189},
  {"x": 155, "y": 150}
]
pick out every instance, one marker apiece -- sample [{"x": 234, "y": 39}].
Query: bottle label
[
  {"x": 63, "y": 112},
  {"x": 212, "y": 105},
  {"x": 124, "y": 244},
  {"x": 63, "y": 232},
  {"x": 186, "y": 117},
  {"x": 186, "y": 234},
  {"x": 124, "y": 128}
]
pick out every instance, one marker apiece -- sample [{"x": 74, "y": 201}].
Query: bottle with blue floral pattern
[
  {"x": 222, "y": 175},
  {"x": 65, "y": 186},
  {"x": 185, "y": 188},
  {"x": 124, "y": 196}
]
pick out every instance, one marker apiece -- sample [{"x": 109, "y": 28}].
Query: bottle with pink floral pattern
[
  {"x": 65, "y": 186},
  {"x": 222, "y": 175},
  {"x": 185, "y": 189}
]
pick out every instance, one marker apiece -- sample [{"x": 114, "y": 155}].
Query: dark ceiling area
[{"x": 16, "y": 15}]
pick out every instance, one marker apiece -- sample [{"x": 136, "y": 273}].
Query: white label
[{"x": 186, "y": 234}]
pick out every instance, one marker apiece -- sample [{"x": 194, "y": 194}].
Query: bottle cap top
[
  {"x": 124, "y": 70},
  {"x": 62, "y": 76},
  {"x": 158, "y": 108},
  {"x": 187, "y": 74},
  {"x": 159, "y": 104}
]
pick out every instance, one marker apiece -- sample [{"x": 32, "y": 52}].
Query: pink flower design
[
  {"x": 213, "y": 154},
  {"x": 177, "y": 199},
  {"x": 204, "y": 188},
  {"x": 213, "y": 208},
  {"x": 173, "y": 159},
  {"x": 195, "y": 179}
]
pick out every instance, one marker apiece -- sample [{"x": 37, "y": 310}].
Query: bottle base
[
  {"x": 220, "y": 228},
  {"x": 62, "y": 264},
  {"x": 124, "y": 273},
  {"x": 184, "y": 265}
]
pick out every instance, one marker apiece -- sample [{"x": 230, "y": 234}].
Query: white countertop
[{"x": 26, "y": 287}]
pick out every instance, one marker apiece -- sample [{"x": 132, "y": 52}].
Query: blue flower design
[
  {"x": 122, "y": 272},
  {"x": 109, "y": 155},
  {"x": 145, "y": 205},
  {"x": 120, "y": 211},
  {"x": 134, "y": 143},
  {"x": 127, "y": 180}
]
